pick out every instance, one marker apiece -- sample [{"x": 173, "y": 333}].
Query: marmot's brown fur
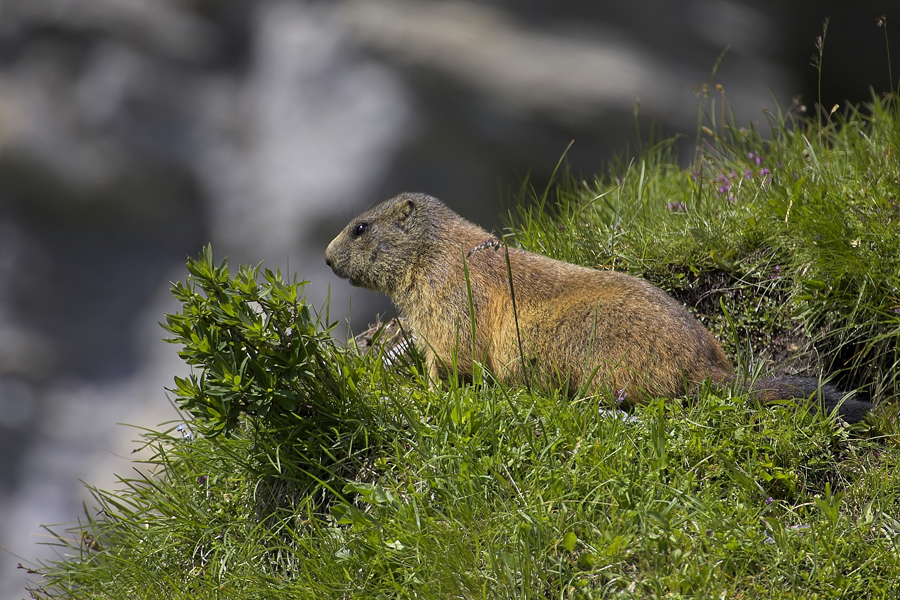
[{"x": 580, "y": 328}]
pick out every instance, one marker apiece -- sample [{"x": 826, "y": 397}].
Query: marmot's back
[{"x": 629, "y": 333}]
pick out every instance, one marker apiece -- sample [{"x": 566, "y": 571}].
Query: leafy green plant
[{"x": 258, "y": 350}]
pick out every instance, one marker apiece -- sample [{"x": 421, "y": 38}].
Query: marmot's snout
[
  {"x": 336, "y": 258},
  {"x": 331, "y": 259}
]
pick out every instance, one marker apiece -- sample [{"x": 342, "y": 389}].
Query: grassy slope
[
  {"x": 798, "y": 237},
  {"x": 487, "y": 492}
]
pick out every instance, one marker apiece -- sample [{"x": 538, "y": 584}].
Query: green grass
[{"x": 310, "y": 471}]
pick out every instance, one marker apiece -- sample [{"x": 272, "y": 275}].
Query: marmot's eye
[{"x": 360, "y": 229}]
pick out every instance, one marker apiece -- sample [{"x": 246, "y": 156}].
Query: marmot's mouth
[{"x": 340, "y": 273}]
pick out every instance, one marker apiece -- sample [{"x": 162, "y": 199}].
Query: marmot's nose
[{"x": 327, "y": 260}]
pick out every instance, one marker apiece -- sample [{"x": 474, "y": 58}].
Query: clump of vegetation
[
  {"x": 304, "y": 468},
  {"x": 257, "y": 349}
]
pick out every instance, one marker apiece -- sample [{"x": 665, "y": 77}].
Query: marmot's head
[{"x": 382, "y": 245}]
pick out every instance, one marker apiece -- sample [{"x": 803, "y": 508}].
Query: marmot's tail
[{"x": 829, "y": 397}]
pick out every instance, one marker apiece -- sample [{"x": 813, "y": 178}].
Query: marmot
[{"x": 573, "y": 327}]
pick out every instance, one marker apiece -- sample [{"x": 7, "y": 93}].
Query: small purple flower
[
  {"x": 755, "y": 157},
  {"x": 732, "y": 175},
  {"x": 724, "y": 184},
  {"x": 695, "y": 175},
  {"x": 897, "y": 310},
  {"x": 795, "y": 175},
  {"x": 764, "y": 172},
  {"x": 776, "y": 272},
  {"x": 676, "y": 206},
  {"x": 769, "y": 500},
  {"x": 621, "y": 395},
  {"x": 202, "y": 479},
  {"x": 748, "y": 174}
]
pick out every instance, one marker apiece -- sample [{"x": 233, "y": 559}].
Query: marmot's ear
[{"x": 405, "y": 210}]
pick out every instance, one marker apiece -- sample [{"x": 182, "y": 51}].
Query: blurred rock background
[{"x": 134, "y": 131}]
